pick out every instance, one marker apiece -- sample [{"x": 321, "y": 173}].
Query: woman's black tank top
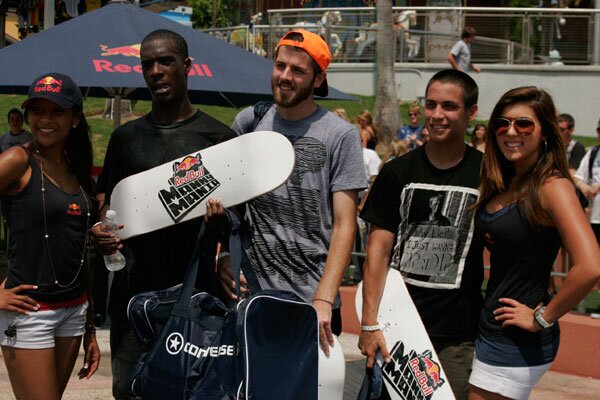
[
  {"x": 28, "y": 257},
  {"x": 521, "y": 261}
]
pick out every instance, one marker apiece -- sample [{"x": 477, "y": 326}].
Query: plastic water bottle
[{"x": 116, "y": 261}]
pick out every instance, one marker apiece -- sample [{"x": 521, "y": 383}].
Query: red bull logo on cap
[
  {"x": 48, "y": 84},
  {"x": 133, "y": 50}
]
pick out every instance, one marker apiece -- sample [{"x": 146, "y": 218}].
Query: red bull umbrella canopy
[{"x": 100, "y": 50}]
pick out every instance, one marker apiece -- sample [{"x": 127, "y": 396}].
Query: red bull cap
[{"x": 57, "y": 88}]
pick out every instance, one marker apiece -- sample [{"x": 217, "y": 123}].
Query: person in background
[
  {"x": 48, "y": 202},
  {"x": 425, "y": 135},
  {"x": 367, "y": 130},
  {"x": 573, "y": 148},
  {"x": 527, "y": 209},
  {"x": 478, "y": 137},
  {"x": 460, "y": 54},
  {"x": 16, "y": 135},
  {"x": 574, "y": 152},
  {"x": 395, "y": 149},
  {"x": 341, "y": 112},
  {"x": 587, "y": 178},
  {"x": 411, "y": 133}
]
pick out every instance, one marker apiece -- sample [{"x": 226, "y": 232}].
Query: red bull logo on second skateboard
[
  {"x": 413, "y": 375},
  {"x": 48, "y": 84},
  {"x": 133, "y": 50},
  {"x": 427, "y": 372}
]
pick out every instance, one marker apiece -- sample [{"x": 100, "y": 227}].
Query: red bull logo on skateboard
[
  {"x": 189, "y": 169},
  {"x": 413, "y": 375},
  {"x": 48, "y": 84},
  {"x": 133, "y": 50},
  {"x": 190, "y": 184},
  {"x": 427, "y": 372}
]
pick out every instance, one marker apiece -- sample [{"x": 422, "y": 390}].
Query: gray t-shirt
[
  {"x": 292, "y": 225},
  {"x": 462, "y": 52},
  {"x": 9, "y": 140}
]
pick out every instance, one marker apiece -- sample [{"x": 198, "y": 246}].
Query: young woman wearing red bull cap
[
  {"x": 527, "y": 209},
  {"x": 47, "y": 201}
]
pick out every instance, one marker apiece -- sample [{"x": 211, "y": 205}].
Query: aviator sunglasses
[{"x": 524, "y": 126}]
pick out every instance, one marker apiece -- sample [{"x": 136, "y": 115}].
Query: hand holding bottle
[{"x": 116, "y": 260}]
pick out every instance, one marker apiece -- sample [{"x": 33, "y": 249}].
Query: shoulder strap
[
  {"x": 591, "y": 160},
  {"x": 260, "y": 109}
]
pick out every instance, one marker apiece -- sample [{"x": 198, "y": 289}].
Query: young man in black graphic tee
[
  {"x": 302, "y": 232},
  {"x": 420, "y": 210}
]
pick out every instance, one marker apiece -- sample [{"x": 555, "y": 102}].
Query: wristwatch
[{"x": 538, "y": 315}]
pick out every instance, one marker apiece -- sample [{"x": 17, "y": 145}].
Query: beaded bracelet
[
  {"x": 370, "y": 328},
  {"x": 222, "y": 254}
]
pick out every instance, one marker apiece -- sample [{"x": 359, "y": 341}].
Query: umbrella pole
[{"x": 117, "y": 111}]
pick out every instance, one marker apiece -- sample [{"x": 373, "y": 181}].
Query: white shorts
[
  {"x": 38, "y": 329},
  {"x": 512, "y": 382}
]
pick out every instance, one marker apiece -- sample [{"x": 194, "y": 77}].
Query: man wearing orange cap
[{"x": 302, "y": 233}]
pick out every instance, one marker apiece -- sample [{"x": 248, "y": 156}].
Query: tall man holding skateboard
[
  {"x": 172, "y": 129},
  {"x": 302, "y": 232},
  {"x": 441, "y": 264}
]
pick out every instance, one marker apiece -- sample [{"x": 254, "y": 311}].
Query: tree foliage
[{"x": 202, "y": 13}]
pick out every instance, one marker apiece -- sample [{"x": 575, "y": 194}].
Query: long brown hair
[{"x": 497, "y": 172}]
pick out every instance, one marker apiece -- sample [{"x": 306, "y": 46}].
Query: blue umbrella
[{"x": 100, "y": 51}]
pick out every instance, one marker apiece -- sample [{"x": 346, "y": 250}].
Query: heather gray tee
[
  {"x": 9, "y": 140},
  {"x": 291, "y": 226},
  {"x": 462, "y": 52}
]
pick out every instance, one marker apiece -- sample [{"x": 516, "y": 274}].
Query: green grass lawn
[{"x": 101, "y": 128}]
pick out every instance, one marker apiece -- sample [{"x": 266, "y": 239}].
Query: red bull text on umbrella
[{"x": 200, "y": 70}]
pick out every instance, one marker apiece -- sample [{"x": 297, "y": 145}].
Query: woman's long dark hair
[
  {"x": 497, "y": 172},
  {"x": 78, "y": 149}
]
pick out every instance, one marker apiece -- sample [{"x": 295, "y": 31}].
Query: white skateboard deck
[
  {"x": 415, "y": 372},
  {"x": 234, "y": 172},
  {"x": 332, "y": 372}
]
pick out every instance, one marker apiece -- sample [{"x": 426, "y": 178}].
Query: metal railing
[{"x": 426, "y": 34}]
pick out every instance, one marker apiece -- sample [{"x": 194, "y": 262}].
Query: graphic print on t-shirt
[
  {"x": 293, "y": 213},
  {"x": 434, "y": 234}
]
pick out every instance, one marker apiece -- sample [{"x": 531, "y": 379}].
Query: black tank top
[
  {"x": 521, "y": 261},
  {"x": 28, "y": 258}
]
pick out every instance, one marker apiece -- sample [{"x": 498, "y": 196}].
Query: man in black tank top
[
  {"x": 420, "y": 208},
  {"x": 172, "y": 129}
]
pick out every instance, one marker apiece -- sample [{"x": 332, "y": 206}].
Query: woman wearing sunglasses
[{"x": 527, "y": 209}]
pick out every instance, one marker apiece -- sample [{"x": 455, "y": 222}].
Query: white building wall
[{"x": 575, "y": 89}]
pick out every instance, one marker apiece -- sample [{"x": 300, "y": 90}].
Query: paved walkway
[{"x": 553, "y": 386}]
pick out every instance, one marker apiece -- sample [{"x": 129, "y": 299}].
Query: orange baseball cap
[{"x": 315, "y": 47}]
